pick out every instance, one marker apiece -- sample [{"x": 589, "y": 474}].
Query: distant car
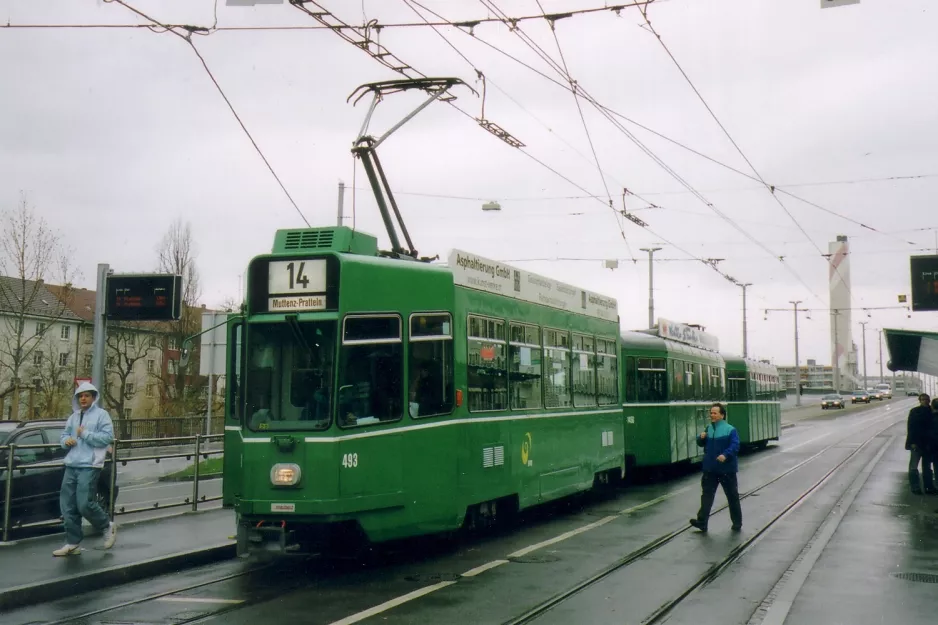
[
  {"x": 860, "y": 397},
  {"x": 875, "y": 394},
  {"x": 832, "y": 401},
  {"x": 35, "y": 492},
  {"x": 885, "y": 389},
  {"x": 912, "y": 393}
]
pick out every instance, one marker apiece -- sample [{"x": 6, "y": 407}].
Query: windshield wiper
[{"x": 298, "y": 333}]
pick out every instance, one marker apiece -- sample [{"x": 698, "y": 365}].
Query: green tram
[
  {"x": 672, "y": 375},
  {"x": 752, "y": 404},
  {"x": 387, "y": 398}
]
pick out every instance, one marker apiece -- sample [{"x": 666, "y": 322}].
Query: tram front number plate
[{"x": 283, "y": 507}]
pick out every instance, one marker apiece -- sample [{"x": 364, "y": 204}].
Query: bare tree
[
  {"x": 231, "y": 304},
  {"x": 51, "y": 380},
  {"x": 126, "y": 346},
  {"x": 177, "y": 256},
  {"x": 31, "y": 254}
]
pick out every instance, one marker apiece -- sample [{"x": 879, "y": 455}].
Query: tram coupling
[{"x": 267, "y": 536}]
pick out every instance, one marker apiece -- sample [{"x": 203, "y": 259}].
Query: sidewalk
[
  {"x": 31, "y": 574},
  {"x": 881, "y": 563}
]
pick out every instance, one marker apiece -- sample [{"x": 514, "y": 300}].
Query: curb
[
  {"x": 189, "y": 478},
  {"x": 30, "y": 594},
  {"x": 785, "y": 426}
]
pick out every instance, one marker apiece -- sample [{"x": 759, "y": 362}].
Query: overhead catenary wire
[
  {"x": 466, "y": 26},
  {"x": 472, "y": 23},
  {"x": 386, "y": 58},
  {"x": 490, "y": 4},
  {"x": 726, "y": 132},
  {"x": 411, "y": 3},
  {"x": 188, "y": 39},
  {"x": 654, "y": 157},
  {"x": 656, "y": 133},
  {"x": 576, "y": 100}
]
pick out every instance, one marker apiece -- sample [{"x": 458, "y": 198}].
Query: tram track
[
  {"x": 713, "y": 571},
  {"x": 80, "y": 618}
]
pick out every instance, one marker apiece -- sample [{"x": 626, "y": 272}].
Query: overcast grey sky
[{"x": 114, "y": 133}]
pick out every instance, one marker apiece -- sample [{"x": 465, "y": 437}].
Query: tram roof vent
[{"x": 337, "y": 239}]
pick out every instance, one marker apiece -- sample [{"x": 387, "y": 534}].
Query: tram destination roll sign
[
  {"x": 924, "y": 277},
  {"x": 296, "y": 285},
  {"x": 144, "y": 297}
]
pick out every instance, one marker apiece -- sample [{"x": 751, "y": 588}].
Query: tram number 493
[{"x": 349, "y": 460}]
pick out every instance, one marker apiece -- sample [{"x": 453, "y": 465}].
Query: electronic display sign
[
  {"x": 144, "y": 297},
  {"x": 924, "y": 276}
]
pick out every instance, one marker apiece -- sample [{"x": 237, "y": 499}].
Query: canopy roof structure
[{"x": 912, "y": 350}]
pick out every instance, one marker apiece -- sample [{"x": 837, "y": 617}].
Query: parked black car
[{"x": 35, "y": 492}]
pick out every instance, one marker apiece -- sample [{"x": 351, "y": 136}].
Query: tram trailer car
[
  {"x": 383, "y": 398},
  {"x": 752, "y": 405},
  {"x": 668, "y": 386}
]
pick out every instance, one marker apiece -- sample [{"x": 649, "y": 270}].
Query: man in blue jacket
[
  {"x": 88, "y": 433},
  {"x": 721, "y": 447}
]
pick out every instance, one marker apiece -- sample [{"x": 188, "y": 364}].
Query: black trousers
[{"x": 708, "y": 485}]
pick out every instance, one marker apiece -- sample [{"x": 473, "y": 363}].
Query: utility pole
[
  {"x": 836, "y": 360},
  {"x": 863, "y": 323},
  {"x": 341, "y": 200},
  {"x": 881, "y": 378},
  {"x": 651, "y": 282},
  {"x": 797, "y": 366},
  {"x": 745, "y": 340}
]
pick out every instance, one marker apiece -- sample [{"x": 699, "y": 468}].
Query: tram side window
[
  {"x": 487, "y": 375},
  {"x": 689, "y": 387},
  {"x": 583, "y": 371},
  {"x": 371, "y": 384},
  {"x": 524, "y": 366},
  {"x": 652, "y": 380},
  {"x": 631, "y": 380},
  {"x": 556, "y": 369},
  {"x": 737, "y": 389},
  {"x": 677, "y": 379},
  {"x": 431, "y": 365},
  {"x": 607, "y": 373},
  {"x": 706, "y": 391},
  {"x": 716, "y": 389}
]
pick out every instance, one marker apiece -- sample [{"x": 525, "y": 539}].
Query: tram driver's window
[{"x": 371, "y": 387}]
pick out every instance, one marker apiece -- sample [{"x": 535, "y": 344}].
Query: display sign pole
[{"x": 100, "y": 331}]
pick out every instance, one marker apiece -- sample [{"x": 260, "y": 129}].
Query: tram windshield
[{"x": 289, "y": 376}]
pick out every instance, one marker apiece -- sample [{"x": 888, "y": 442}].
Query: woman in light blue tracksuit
[{"x": 88, "y": 433}]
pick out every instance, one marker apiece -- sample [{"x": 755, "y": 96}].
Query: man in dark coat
[
  {"x": 917, "y": 441},
  {"x": 721, "y": 448}
]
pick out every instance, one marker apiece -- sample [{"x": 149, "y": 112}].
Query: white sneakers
[
  {"x": 110, "y": 535},
  {"x": 67, "y": 550}
]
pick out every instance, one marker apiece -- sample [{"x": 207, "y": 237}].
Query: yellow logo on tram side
[{"x": 526, "y": 450}]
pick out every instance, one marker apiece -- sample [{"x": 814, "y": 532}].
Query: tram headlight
[{"x": 285, "y": 474}]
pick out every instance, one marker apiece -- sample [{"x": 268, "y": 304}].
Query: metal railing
[
  {"x": 201, "y": 449},
  {"x": 132, "y": 431}
]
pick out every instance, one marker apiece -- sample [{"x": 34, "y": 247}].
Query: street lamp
[
  {"x": 865, "y": 382},
  {"x": 745, "y": 339},
  {"x": 797, "y": 366},
  {"x": 651, "y": 281}
]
